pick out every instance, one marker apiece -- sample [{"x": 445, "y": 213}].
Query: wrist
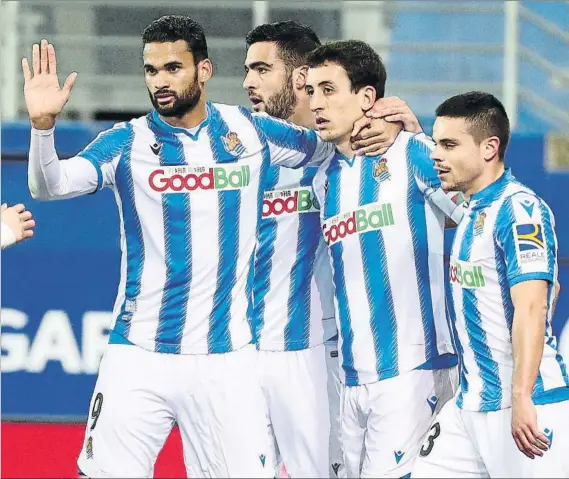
[
  {"x": 521, "y": 393},
  {"x": 43, "y": 123}
]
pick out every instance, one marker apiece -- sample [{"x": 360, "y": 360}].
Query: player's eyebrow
[
  {"x": 446, "y": 141},
  {"x": 174, "y": 63},
  {"x": 255, "y": 65}
]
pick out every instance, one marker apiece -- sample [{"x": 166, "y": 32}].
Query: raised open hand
[{"x": 44, "y": 97}]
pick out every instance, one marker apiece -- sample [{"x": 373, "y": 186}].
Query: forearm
[
  {"x": 49, "y": 178},
  {"x": 528, "y": 331}
]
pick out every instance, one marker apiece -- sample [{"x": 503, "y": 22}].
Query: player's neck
[
  {"x": 191, "y": 119},
  {"x": 486, "y": 179},
  {"x": 344, "y": 145},
  {"x": 302, "y": 115}
]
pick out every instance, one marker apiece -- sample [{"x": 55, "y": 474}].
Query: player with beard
[
  {"x": 294, "y": 320},
  {"x": 187, "y": 181}
]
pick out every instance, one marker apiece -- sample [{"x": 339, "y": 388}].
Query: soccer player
[
  {"x": 292, "y": 291},
  {"x": 511, "y": 415},
  {"x": 187, "y": 180},
  {"x": 17, "y": 224},
  {"x": 383, "y": 221}
]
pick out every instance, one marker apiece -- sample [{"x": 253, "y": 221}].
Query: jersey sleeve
[
  {"x": 105, "y": 151},
  {"x": 525, "y": 233},
  {"x": 450, "y": 203},
  {"x": 290, "y": 145}
]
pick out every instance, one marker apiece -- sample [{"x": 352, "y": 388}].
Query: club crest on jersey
[
  {"x": 380, "y": 170},
  {"x": 479, "y": 224},
  {"x": 232, "y": 144},
  {"x": 89, "y": 448}
]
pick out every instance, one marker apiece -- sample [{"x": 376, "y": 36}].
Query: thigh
[
  {"x": 402, "y": 414},
  {"x": 222, "y": 419},
  {"x": 298, "y": 406},
  {"x": 504, "y": 459},
  {"x": 129, "y": 419},
  {"x": 448, "y": 449},
  {"x": 353, "y": 427},
  {"x": 337, "y": 468}
]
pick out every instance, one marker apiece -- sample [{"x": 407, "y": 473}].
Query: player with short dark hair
[{"x": 513, "y": 401}]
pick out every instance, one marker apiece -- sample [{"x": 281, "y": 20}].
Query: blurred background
[{"x": 58, "y": 288}]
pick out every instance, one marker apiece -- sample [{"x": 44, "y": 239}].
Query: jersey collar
[
  {"x": 486, "y": 196},
  {"x": 193, "y": 133}
]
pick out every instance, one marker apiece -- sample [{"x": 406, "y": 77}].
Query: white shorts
[
  {"x": 337, "y": 468},
  {"x": 215, "y": 399},
  {"x": 294, "y": 383},
  {"x": 480, "y": 444},
  {"x": 384, "y": 423}
]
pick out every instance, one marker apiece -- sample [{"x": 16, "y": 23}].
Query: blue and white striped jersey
[
  {"x": 292, "y": 291},
  {"x": 507, "y": 236},
  {"x": 189, "y": 204},
  {"x": 383, "y": 220}
]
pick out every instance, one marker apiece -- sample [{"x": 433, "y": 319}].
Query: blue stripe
[
  {"x": 491, "y": 383},
  {"x": 538, "y": 387},
  {"x": 219, "y": 338},
  {"x": 378, "y": 287},
  {"x": 297, "y": 329},
  {"x": 176, "y": 213},
  {"x": 135, "y": 253},
  {"x": 332, "y": 208},
  {"x": 267, "y": 231},
  {"x": 504, "y": 286},
  {"x": 256, "y": 290},
  {"x": 417, "y": 218}
]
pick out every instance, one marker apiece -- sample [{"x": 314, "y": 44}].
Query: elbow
[{"x": 38, "y": 193}]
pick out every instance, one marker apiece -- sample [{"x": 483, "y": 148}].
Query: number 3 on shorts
[
  {"x": 96, "y": 411},
  {"x": 434, "y": 432}
]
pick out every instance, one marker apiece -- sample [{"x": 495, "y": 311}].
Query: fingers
[
  {"x": 525, "y": 438},
  {"x": 25, "y": 216},
  {"x": 69, "y": 82},
  {"x": 28, "y": 225},
  {"x": 359, "y": 125},
  {"x": 27, "y": 234},
  {"x": 367, "y": 141},
  {"x": 52, "y": 61},
  {"x": 373, "y": 150},
  {"x": 19, "y": 208},
  {"x": 26, "y": 70},
  {"x": 539, "y": 439},
  {"x": 36, "y": 59},
  {"x": 43, "y": 56}
]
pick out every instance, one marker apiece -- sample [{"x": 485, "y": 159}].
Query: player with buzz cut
[
  {"x": 511, "y": 414},
  {"x": 383, "y": 220},
  {"x": 292, "y": 290},
  {"x": 187, "y": 181}
]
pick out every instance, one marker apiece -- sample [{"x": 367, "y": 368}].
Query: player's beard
[
  {"x": 183, "y": 102},
  {"x": 282, "y": 104}
]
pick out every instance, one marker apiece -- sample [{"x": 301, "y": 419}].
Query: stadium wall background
[{"x": 58, "y": 290}]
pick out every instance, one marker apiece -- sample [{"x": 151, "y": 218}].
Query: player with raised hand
[{"x": 187, "y": 181}]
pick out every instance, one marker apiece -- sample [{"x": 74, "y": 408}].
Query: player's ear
[
  {"x": 367, "y": 97},
  {"x": 299, "y": 76},
  {"x": 490, "y": 148},
  {"x": 205, "y": 70}
]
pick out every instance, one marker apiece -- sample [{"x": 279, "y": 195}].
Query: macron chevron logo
[
  {"x": 336, "y": 467},
  {"x": 549, "y": 435},
  {"x": 398, "y": 456},
  {"x": 432, "y": 402},
  {"x": 528, "y": 206},
  {"x": 263, "y": 458}
]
